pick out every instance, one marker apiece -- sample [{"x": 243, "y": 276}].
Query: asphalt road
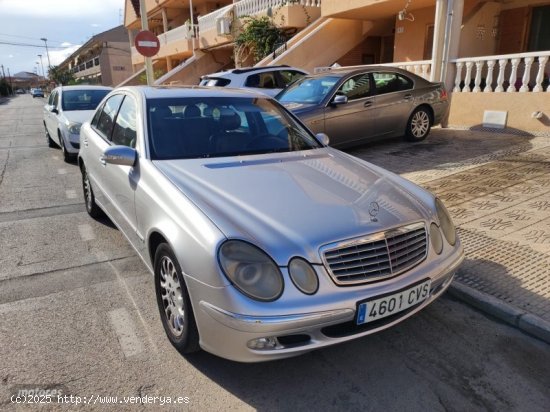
[{"x": 78, "y": 313}]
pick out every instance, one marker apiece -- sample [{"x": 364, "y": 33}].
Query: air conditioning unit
[{"x": 223, "y": 26}]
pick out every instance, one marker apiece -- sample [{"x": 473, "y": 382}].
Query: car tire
[
  {"x": 89, "y": 199},
  {"x": 51, "y": 142},
  {"x": 173, "y": 301},
  {"x": 67, "y": 157},
  {"x": 419, "y": 124}
]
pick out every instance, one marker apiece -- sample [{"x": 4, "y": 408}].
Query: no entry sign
[{"x": 147, "y": 44}]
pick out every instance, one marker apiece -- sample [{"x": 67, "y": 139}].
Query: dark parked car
[{"x": 353, "y": 105}]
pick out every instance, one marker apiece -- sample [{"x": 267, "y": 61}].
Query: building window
[
  {"x": 96, "y": 61},
  {"x": 539, "y": 32}
]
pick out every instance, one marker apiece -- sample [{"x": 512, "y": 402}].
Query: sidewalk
[{"x": 497, "y": 188}]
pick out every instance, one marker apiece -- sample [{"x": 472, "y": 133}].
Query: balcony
[
  {"x": 285, "y": 14},
  {"x": 174, "y": 43}
]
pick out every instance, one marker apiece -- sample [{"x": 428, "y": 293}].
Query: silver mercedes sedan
[
  {"x": 354, "y": 105},
  {"x": 264, "y": 242}
]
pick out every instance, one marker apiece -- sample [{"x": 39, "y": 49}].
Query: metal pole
[
  {"x": 41, "y": 64},
  {"x": 145, "y": 26},
  {"x": 47, "y": 52},
  {"x": 192, "y": 25},
  {"x": 3, "y": 73},
  {"x": 11, "y": 86}
]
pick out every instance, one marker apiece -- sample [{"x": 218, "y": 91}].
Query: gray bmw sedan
[
  {"x": 354, "y": 105},
  {"x": 264, "y": 243}
]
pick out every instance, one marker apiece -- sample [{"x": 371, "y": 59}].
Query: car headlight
[
  {"x": 74, "y": 128},
  {"x": 251, "y": 270},
  {"x": 436, "y": 238},
  {"x": 303, "y": 276},
  {"x": 446, "y": 223}
]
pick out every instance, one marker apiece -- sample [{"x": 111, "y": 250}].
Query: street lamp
[
  {"x": 42, "y": 64},
  {"x": 45, "y": 40}
]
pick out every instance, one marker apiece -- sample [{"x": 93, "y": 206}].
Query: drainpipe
[
  {"x": 192, "y": 26},
  {"x": 439, "y": 39}
]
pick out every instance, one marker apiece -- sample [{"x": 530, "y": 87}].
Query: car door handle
[
  {"x": 85, "y": 142},
  {"x": 368, "y": 103},
  {"x": 102, "y": 160},
  {"x": 408, "y": 96}
]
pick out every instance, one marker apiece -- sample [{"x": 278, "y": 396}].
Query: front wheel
[
  {"x": 51, "y": 142},
  {"x": 419, "y": 125},
  {"x": 91, "y": 206},
  {"x": 173, "y": 302},
  {"x": 67, "y": 157}
]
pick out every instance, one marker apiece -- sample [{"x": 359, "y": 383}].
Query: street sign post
[{"x": 145, "y": 28}]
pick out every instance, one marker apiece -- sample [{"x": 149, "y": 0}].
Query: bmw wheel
[
  {"x": 91, "y": 206},
  {"x": 419, "y": 125},
  {"x": 173, "y": 302}
]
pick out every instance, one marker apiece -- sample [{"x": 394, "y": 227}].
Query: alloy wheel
[
  {"x": 420, "y": 124},
  {"x": 172, "y": 297}
]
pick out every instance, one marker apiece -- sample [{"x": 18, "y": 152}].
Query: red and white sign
[{"x": 147, "y": 44}]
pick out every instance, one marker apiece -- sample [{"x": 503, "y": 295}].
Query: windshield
[
  {"x": 82, "y": 99},
  {"x": 184, "y": 128},
  {"x": 308, "y": 90}
]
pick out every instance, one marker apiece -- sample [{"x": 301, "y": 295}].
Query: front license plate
[{"x": 388, "y": 305}]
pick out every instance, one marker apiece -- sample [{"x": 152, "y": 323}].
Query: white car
[
  {"x": 269, "y": 80},
  {"x": 67, "y": 108}
]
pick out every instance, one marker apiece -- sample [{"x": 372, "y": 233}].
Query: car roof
[
  {"x": 245, "y": 70},
  {"x": 352, "y": 70},
  {"x": 162, "y": 92},
  {"x": 84, "y": 87}
]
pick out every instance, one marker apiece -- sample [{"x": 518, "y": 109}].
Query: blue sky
[{"x": 66, "y": 24}]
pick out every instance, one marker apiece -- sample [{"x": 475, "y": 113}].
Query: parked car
[
  {"x": 269, "y": 80},
  {"x": 37, "y": 93},
  {"x": 264, "y": 243},
  {"x": 20, "y": 91},
  {"x": 67, "y": 108},
  {"x": 354, "y": 105}
]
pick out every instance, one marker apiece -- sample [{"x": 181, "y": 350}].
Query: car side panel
[{"x": 393, "y": 110}]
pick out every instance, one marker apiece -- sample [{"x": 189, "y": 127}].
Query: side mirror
[
  {"x": 323, "y": 138},
  {"x": 53, "y": 109},
  {"x": 339, "y": 99},
  {"x": 119, "y": 155}
]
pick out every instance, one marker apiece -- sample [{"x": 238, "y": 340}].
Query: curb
[{"x": 524, "y": 321}]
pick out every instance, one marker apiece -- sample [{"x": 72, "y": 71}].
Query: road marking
[
  {"x": 62, "y": 171},
  {"x": 71, "y": 194},
  {"x": 136, "y": 307},
  {"x": 125, "y": 330},
  {"x": 55, "y": 157},
  {"x": 86, "y": 232}
]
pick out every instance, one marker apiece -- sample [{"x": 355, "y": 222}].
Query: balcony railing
[
  {"x": 510, "y": 73},
  {"x": 179, "y": 33},
  {"x": 208, "y": 22},
  {"x": 251, "y": 7}
]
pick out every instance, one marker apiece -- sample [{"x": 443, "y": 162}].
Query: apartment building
[
  {"x": 104, "y": 59},
  {"x": 492, "y": 55}
]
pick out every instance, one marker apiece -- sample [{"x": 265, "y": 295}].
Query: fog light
[
  {"x": 436, "y": 239},
  {"x": 264, "y": 344}
]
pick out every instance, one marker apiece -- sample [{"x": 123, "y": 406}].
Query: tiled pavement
[{"x": 497, "y": 188}]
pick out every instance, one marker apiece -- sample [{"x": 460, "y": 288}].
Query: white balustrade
[
  {"x": 208, "y": 21},
  {"x": 251, "y": 7},
  {"x": 177, "y": 34},
  {"x": 489, "y": 79},
  {"x": 468, "y": 77},
  {"x": 421, "y": 68},
  {"x": 515, "y": 72},
  {"x": 540, "y": 75}
]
